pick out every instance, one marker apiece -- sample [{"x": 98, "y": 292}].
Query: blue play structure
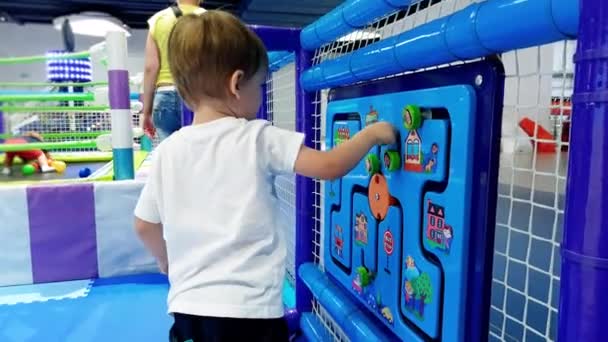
[
  {"x": 423, "y": 240},
  {"x": 408, "y": 235},
  {"x": 401, "y": 233}
]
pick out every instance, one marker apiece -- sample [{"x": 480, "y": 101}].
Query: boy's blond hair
[{"x": 205, "y": 50}]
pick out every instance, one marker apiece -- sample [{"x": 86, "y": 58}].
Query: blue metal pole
[
  {"x": 187, "y": 115},
  {"x": 305, "y": 187},
  {"x": 263, "y": 112},
  {"x": 583, "y": 308}
]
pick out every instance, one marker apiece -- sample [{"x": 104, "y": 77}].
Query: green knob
[
  {"x": 392, "y": 160},
  {"x": 412, "y": 117},
  {"x": 372, "y": 164}
]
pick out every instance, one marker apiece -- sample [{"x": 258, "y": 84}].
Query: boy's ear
[{"x": 235, "y": 82}]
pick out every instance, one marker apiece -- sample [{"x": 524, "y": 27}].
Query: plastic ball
[
  {"x": 84, "y": 172},
  {"x": 58, "y": 165},
  {"x": 28, "y": 169}
]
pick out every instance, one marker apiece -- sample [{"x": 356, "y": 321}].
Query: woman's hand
[{"x": 148, "y": 126}]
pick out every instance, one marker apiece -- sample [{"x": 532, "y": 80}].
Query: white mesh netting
[
  {"x": 530, "y": 205},
  {"x": 281, "y": 110},
  {"x": 532, "y": 178},
  {"x": 76, "y": 123}
]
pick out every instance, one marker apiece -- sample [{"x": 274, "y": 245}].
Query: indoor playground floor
[
  {"x": 119, "y": 309},
  {"x": 130, "y": 308}
]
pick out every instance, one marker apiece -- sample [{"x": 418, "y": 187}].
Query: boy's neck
[
  {"x": 207, "y": 113},
  {"x": 188, "y": 3}
]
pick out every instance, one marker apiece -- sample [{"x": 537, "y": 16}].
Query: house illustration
[
  {"x": 372, "y": 116},
  {"x": 361, "y": 229},
  {"x": 341, "y": 134},
  {"x": 338, "y": 240},
  {"x": 413, "y": 152},
  {"x": 438, "y": 232}
]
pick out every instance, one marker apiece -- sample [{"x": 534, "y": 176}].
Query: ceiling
[{"x": 135, "y": 13}]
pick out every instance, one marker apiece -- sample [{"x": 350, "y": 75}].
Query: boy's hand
[{"x": 384, "y": 133}]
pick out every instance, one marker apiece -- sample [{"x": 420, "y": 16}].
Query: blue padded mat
[{"x": 130, "y": 308}]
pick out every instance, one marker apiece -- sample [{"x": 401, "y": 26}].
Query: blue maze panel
[{"x": 400, "y": 227}]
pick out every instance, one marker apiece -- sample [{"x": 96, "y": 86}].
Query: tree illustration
[
  {"x": 414, "y": 283},
  {"x": 424, "y": 291}
]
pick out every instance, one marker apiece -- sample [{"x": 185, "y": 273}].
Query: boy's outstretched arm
[
  {"x": 340, "y": 160},
  {"x": 152, "y": 236}
]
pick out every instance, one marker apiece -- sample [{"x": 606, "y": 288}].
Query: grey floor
[{"x": 543, "y": 172}]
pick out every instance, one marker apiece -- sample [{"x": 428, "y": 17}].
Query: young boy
[
  {"x": 207, "y": 211},
  {"x": 39, "y": 158}
]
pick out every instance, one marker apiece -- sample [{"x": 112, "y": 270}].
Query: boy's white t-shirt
[{"x": 212, "y": 187}]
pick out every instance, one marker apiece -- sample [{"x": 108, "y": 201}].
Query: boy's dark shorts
[{"x": 188, "y": 328}]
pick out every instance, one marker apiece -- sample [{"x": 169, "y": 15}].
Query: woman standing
[{"x": 162, "y": 107}]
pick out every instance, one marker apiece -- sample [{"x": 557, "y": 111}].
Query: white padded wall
[
  {"x": 15, "y": 256},
  {"x": 119, "y": 251}
]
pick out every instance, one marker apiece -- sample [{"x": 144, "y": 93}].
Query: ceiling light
[{"x": 93, "y": 24}]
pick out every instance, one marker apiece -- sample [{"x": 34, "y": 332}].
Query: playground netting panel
[
  {"x": 532, "y": 180},
  {"x": 281, "y": 111},
  {"x": 56, "y": 125},
  {"x": 530, "y": 206}
]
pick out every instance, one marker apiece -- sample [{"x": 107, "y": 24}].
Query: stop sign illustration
[{"x": 388, "y": 242}]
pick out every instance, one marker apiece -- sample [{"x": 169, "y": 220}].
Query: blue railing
[
  {"x": 349, "y": 16},
  {"x": 278, "y": 59},
  {"x": 478, "y": 30}
]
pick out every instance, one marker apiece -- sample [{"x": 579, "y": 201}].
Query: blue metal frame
[
  {"x": 278, "y": 38},
  {"x": 485, "y": 168},
  {"x": 263, "y": 111},
  {"x": 475, "y": 31},
  {"x": 187, "y": 115},
  {"x": 583, "y": 308}
]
